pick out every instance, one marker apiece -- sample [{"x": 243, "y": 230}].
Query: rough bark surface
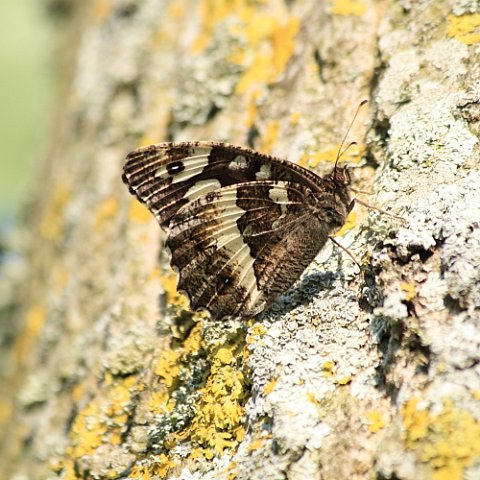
[{"x": 348, "y": 375}]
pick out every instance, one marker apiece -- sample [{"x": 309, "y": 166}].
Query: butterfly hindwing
[{"x": 237, "y": 248}]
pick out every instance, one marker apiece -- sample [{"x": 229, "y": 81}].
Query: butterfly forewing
[
  {"x": 241, "y": 226},
  {"x": 167, "y": 176}
]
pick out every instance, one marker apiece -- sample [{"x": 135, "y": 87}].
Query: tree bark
[{"x": 359, "y": 375}]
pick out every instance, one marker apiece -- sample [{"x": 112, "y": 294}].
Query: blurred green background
[{"x": 26, "y": 88}]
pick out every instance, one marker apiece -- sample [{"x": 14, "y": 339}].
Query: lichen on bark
[{"x": 350, "y": 374}]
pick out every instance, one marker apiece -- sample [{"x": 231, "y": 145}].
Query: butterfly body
[{"x": 241, "y": 227}]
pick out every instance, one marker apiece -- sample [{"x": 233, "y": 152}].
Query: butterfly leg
[
  {"x": 371, "y": 207},
  {"x": 350, "y": 254}
]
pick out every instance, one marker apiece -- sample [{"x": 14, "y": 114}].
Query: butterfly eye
[
  {"x": 223, "y": 283},
  {"x": 175, "y": 167},
  {"x": 341, "y": 176}
]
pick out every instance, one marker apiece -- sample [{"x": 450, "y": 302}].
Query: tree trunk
[{"x": 348, "y": 375}]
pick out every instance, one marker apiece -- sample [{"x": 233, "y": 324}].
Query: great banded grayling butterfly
[{"x": 241, "y": 226}]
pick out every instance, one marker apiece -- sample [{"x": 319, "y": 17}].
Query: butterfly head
[
  {"x": 341, "y": 176},
  {"x": 335, "y": 207}
]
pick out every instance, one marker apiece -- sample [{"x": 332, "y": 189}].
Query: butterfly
[{"x": 241, "y": 226}]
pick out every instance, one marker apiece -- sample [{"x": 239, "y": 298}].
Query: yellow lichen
[
  {"x": 252, "y": 107},
  {"x": 87, "y": 431},
  {"x": 105, "y": 212},
  {"x": 193, "y": 343},
  {"x": 269, "y": 387},
  {"x": 257, "y": 72},
  {"x": 138, "y": 212},
  {"x": 161, "y": 402},
  {"x": 101, "y": 421},
  {"x": 294, "y": 118},
  {"x": 260, "y": 27},
  {"x": 375, "y": 421},
  {"x": 349, "y": 7},
  {"x": 78, "y": 391},
  {"x": 343, "y": 380},
  {"x": 219, "y": 410},
  {"x": 212, "y": 12},
  {"x": 350, "y": 223},
  {"x": 257, "y": 330},
  {"x": 6, "y": 411},
  {"x": 255, "y": 335},
  {"x": 313, "y": 67},
  {"x": 271, "y": 47},
  {"x": 155, "y": 275},
  {"x": 52, "y": 222},
  {"x": 283, "y": 45},
  {"x": 266, "y": 42},
  {"x": 465, "y": 28},
  {"x": 442, "y": 367},
  {"x": 101, "y": 9},
  {"x": 169, "y": 283},
  {"x": 409, "y": 291},
  {"x": 34, "y": 321},
  {"x": 157, "y": 467},
  {"x": 449, "y": 441},
  {"x": 329, "y": 368},
  {"x": 68, "y": 470},
  {"x": 416, "y": 422},
  {"x": 119, "y": 396},
  {"x": 162, "y": 465},
  {"x": 269, "y": 137},
  {"x": 167, "y": 366},
  {"x": 230, "y": 470},
  {"x": 239, "y": 433},
  {"x": 216, "y": 425},
  {"x": 176, "y": 10},
  {"x": 270, "y": 39},
  {"x": 256, "y": 444},
  {"x": 329, "y": 365},
  {"x": 312, "y": 398},
  {"x": 224, "y": 356},
  {"x": 352, "y": 155},
  {"x": 147, "y": 140}
]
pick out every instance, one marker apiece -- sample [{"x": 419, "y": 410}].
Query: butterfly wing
[
  {"x": 238, "y": 247},
  {"x": 167, "y": 176}
]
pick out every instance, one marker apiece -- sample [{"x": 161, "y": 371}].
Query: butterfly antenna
[
  {"x": 342, "y": 150},
  {"x": 341, "y": 153}
]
